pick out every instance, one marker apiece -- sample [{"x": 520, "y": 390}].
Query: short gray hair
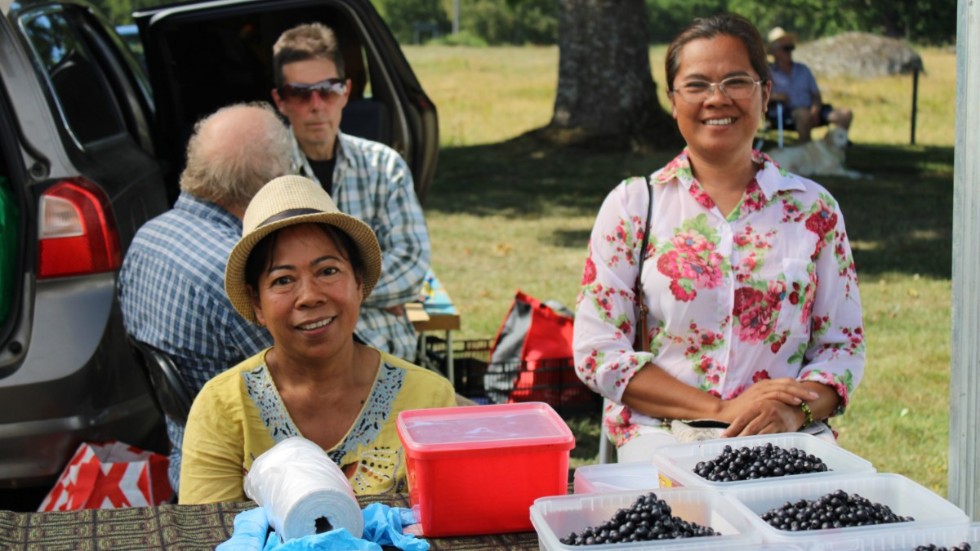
[{"x": 233, "y": 153}]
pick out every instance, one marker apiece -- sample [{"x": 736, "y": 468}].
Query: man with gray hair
[{"x": 171, "y": 286}]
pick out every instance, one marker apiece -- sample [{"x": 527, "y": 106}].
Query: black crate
[{"x": 552, "y": 381}]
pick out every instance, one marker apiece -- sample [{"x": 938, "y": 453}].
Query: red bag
[
  {"x": 531, "y": 357},
  {"x": 110, "y": 475}
]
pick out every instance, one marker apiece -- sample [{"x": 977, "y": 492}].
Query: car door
[
  {"x": 204, "y": 55},
  {"x": 81, "y": 173}
]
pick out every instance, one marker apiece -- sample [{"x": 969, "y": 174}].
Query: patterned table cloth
[{"x": 179, "y": 527}]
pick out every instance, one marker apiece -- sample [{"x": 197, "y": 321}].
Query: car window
[{"x": 82, "y": 93}]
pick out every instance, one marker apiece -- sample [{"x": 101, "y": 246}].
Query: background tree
[
  {"x": 668, "y": 17},
  {"x": 606, "y": 94},
  {"x": 931, "y": 22},
  {"x": 928, "y": 22},
  {"x": 120, "y": 12},
  {"x": 920, "y": 21},
  {"x": 407, "y": 18},
  {"x": 511, "y": 21},
  {"x": 810, "y": 19}
]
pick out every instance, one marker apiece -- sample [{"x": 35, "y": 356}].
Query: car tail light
[{"x": 78, "y": 234}]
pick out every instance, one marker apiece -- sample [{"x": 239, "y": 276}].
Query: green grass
[{"x": 507, "y": 214}]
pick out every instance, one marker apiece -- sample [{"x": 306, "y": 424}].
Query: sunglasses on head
[{"x": 304, "y": 92}]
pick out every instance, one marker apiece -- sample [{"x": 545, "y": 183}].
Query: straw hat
[
  {"x": 777, "y": 34},
  {"x": 287, "y": 201}
]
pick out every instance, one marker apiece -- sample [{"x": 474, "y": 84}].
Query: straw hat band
[{"x": 286, "y": 214}]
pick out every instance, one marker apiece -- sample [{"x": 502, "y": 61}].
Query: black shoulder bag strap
[{"x": 641, "y": 341}]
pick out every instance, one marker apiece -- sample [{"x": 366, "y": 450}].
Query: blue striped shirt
[
  {"x": 172, "y": 293},
  {"x": 373, "y": 183}
]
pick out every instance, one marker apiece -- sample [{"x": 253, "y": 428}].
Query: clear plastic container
[
  {"x": 557, "y": 517},
  {"x": 477, "y": 469},
  {"x": 614, "y": 477},
  {"x": 903, "y": 496},
  {"x": 907, "y": 540},
  {"x": 676, "y": 463}
]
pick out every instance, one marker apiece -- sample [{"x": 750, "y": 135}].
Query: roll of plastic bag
[{"x": 303, "y": 491}]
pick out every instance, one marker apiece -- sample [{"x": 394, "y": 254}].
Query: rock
[{"x": 859, "y": 55}]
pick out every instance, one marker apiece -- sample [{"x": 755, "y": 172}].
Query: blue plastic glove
[
  {"x": 382, "y": 526},
  {"x": 251, "y": 532}
]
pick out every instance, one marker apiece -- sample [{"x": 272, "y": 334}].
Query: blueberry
[
  {"x": 834, "y": 510},
  {"x": 648, "y": 518},
  {"x": 763, "y": 461}
]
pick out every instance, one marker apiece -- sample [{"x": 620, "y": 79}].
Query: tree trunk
[{"x": 606, "y": 93}]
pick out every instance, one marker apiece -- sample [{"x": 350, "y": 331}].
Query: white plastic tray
[
  {"x": 676, "y": 463},
  {"x": 613, "y": 477},
  {"x": 902, "y": 495},
  {"x": 906, "y": 540},
  {"x": 557, "y": 517}
]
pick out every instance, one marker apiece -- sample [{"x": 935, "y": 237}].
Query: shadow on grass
[
  {"x": 526, "y": 178},
  {"x": 899, "y": 221}
]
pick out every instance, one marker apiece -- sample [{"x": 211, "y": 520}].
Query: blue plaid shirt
[
  {"x": 172, "y": 293},
  {"x": 373, "y": 183}
]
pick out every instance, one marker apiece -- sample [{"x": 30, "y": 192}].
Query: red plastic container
[{"x": 478, "y": 469}]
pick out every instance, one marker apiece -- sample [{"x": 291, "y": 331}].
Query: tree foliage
[
  {"x": 120, "y": 12},
  {"x": 536, "y": 21},
  {"x": 491, "y": 21},
  {"x": 414, "y": 21},
  {"x": 919, "y": 21}
]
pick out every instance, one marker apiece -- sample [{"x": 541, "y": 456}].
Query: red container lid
[{"x": 454, "y": 429}]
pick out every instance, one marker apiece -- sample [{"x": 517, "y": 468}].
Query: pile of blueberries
[
  {"x": 834, "y": 510},
  {"x": 961, "y": 547},
  {"x": 763, "y": 461},
  {"x": 648, "y": 518}
]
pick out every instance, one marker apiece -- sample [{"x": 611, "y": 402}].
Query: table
[
  {"x": 435, "y": 312},
  {"x": 181, "y": 527}
]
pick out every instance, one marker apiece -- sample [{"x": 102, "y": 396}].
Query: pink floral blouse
[{"x": 770, "y": 291}]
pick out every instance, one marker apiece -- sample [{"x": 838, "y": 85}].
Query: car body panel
[{"x": 66, "y": 373}]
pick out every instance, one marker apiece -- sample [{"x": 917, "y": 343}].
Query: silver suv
[{"x": 91, "y": 146}]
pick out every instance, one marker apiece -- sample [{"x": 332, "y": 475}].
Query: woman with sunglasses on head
[
  {"x": 366, "y": 179},
  {"x": 752, "y": 307},
  {"x": 302, "y": 269},
  {"x": 793, "y": 85}
]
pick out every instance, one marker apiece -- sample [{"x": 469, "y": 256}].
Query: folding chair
[
  {"x": 783, "y": 119},
  {"x": 780, "y": 122},
  {"x": 173, "y": 396}
]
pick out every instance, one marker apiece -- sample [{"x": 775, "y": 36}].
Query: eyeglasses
[
  {"x": 696, "y": 91},
  {"x": 335, "y": 87},
  {"x": 787, "y": 48}
]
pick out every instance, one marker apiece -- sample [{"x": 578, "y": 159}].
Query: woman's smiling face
[
  {"x": 718, "y": 128},
  {"x": 309, "y": 294}
]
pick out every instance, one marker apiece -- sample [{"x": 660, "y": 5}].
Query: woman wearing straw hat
[
  {"x": 301, "y": 269},
  {"x": 794, "y": 85}
]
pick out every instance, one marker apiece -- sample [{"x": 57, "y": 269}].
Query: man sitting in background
[
  {"x": 366, "y": 179},
  {"x": 171, "y": 285},
  {"x": 793, "y": 84}
]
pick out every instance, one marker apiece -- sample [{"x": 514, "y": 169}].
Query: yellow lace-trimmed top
[{"x": 239, "y": 414}]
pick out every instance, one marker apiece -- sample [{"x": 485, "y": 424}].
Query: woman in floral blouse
[{"x": 754, "y": 313}]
